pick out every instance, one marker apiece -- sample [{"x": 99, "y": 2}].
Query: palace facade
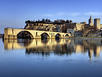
[{"x": 67, "y": 26}]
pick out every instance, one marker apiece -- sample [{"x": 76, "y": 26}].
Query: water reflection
[{"x": 60, "y": 47}]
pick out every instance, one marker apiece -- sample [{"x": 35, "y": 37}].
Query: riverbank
[{"x": 86, "y": 38}]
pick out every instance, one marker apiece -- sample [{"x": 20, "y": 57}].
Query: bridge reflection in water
[{"x": 59, "y": 47}]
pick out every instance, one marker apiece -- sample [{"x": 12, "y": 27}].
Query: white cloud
[
  {"x": 93, "y": 14},
  {"x": 74, "y": 14},
  {"x": 48, "y": 15},
  {"x": 60, "y": 14}
]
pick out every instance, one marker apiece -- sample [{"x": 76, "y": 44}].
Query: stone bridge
[{"x": 12, "y": 33}]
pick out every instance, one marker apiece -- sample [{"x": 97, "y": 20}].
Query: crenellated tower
[{"x": 91, "y": 21}]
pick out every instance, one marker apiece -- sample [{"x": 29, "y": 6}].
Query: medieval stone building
[{"x": 66, "y": 26}]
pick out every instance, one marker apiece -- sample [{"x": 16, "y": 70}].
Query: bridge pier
[{"x": 8, "y": 34}]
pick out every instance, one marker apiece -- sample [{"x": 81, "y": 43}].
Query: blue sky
[{"x": 13, "y": 13}]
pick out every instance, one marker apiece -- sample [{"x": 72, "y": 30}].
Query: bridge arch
[
  {"x": 24, "y": 35},
  {"x": 57, "y": 36},
  {"x": 67, "y": 35},
  {"x": 45, "y": 35}
]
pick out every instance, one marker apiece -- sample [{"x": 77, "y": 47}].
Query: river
[{"x": 51, "y": 58}]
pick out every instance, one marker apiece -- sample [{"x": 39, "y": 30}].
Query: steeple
[
  {"x": 91, "y": 21},
  {"x": 90, "y": 17}
]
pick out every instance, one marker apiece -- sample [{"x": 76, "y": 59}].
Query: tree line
[{"x": 59, "y": 21}]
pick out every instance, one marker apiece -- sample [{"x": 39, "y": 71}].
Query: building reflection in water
[{"x": 60, "y": 47}]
